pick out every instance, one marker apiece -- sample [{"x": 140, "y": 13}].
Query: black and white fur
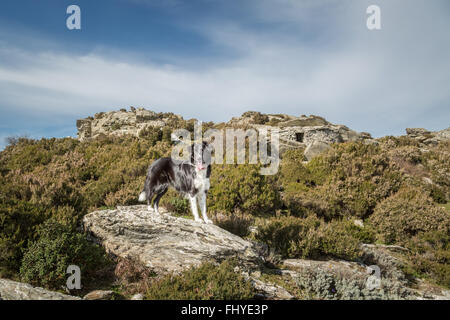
[{"x": 190, "y": 178}]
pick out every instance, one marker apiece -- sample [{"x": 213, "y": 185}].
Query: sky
[{"x": 215, "y": 59}]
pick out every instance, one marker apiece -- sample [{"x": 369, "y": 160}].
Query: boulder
[
  {"x": 13, "y": 290},
  {"x": 137, "y": 296},
  {"x": 378, "y": 275},
  {"x": 269, "y": 290},
  {"x": 315, "y": 148},
  {"x": 123, "y": 122},
  {"x": 443, "y": 135},
  {"x": 165, "y": 243},
  {"x": 99, "y": 295},
  {"x": 428, "y": 137}
]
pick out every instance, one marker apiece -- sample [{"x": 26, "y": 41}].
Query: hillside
[{"x": 353, "y": 192}]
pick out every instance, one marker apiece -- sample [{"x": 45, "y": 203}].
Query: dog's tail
[{"x": 142, "y": 196}]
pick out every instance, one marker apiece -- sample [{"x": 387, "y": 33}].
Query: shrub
[
  {"x": 430, "y": 256},
  {"x": 176, "y": 204},
  {"x": 310, "y": 237},
  {"x": 238, "y": 224},
  {"x": 406, "y": 214},
  {"x": 45, "y": 261},
  {"x": 153, "y": 134},
  {"x": 18, "y": 223},
  {"x": 206, "y": 282},
  {"x": 241, "y": 188},
  {"x": 349, "y": 180}
]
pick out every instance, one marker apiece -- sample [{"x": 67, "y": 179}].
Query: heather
[{"x": 396, "y": 189}]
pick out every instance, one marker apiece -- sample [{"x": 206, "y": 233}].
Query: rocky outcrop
[
  {"x": 294, "y": 131},
  {"x": 122, "y": 122},
  {"x": 304, "y": 129},
  {"x": 343, "y": 280},
  {"x": 377, "y": 276},
  {"x": 428, "y": 137},
  {"x": 12, "y": 290},
  {"x": 313, "y": 133},
  {"x": 165, "y": 243}
]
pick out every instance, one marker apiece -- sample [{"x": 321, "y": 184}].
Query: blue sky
[{"x": 215, "y": 59}]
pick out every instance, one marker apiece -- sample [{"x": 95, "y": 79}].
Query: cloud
[{"x": 299, "y": 58}]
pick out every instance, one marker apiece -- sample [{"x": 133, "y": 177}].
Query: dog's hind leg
[
  {"x": 149, "y": 201},
  {"x": 202, "y": 202},
  {"x": 193, "y": 201},
  {"x": 158, "y": 197}
]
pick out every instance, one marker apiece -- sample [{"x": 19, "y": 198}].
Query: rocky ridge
[
  {"x": 313, "y": 133},
  {"x": 302, "y": 131}
]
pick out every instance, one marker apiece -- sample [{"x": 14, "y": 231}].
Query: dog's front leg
[
  {"x": 193, "y": 201},
  {"x": 202, "y": 201}
]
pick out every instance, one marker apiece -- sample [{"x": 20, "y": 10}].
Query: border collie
[{"x": 190, "y": 178}]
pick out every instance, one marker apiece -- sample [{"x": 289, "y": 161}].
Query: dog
[{"x": 189, "y": 178}]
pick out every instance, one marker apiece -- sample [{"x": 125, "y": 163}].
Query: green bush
[
  {"x": 406, "y": 214},
  {"x": 238, "y": 224},
  {"x": 429, "y": 256},
  {"x": 206, "y": 282},
  {"x": 176, "y": 204},
  {"x": 45, "y": 261},
  {"x": 309, "y": 237},
  {"x": 349, "y": 180},
  {"x": 18, "y": 223},
  {"x": 241, "y": 188},
  {"x": 65, "y": 178}
]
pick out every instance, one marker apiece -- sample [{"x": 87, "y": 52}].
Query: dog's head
[{"x": 201, "y": 155}]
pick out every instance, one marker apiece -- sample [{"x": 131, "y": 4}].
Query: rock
[
  {"x": 315, "y": 148},
  {"x": 358, "y": 223},
  {"x": 381, "y": 256},
  {"x": 294, "y": 131},
  {"x": 346, "y": 280},
  {"x": 426, "y": 291},
  {"x": 415, "y": 132},
  {"x": 378, "y": 276},
  {"x": 270, "y": 291},
  {"x": 138, "y": 296},
  {"x": 123, "y": 122},
  {"x": 165, "y": 243},
  {"x": 428, "y": 137},
  {"x": 12, "y": 290},
  {"x": 443, "y": 135},
  {"x": 99, "y": 295}
]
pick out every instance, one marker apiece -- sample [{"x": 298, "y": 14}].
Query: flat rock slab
[
  {"x": 13, "y": 290},
  {"x": 165, "y": 243}
]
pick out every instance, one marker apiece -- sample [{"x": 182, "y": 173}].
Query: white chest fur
[{"x": 201, "y": 182}]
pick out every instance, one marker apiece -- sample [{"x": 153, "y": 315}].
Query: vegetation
[
  {"x": 398, "y": 191},
  {"x": 206, "y": 282},
  {"x": 309, "y": 237},
  {"x": 45, "y": 261}
]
